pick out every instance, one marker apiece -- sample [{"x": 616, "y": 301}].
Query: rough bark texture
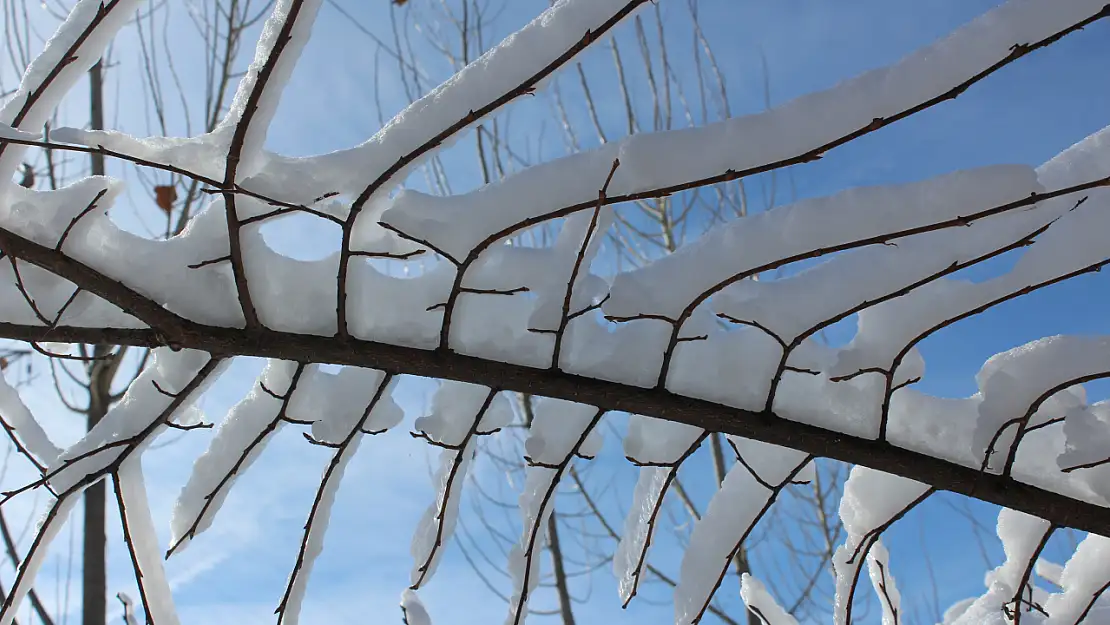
[{"x": 758, "y": 425}]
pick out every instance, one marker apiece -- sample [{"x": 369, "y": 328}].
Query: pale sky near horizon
[{"x": 1027, "y": 113}]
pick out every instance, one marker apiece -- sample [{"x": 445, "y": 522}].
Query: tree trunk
[
  {"x": 565, "y": 608},
  {"x": 94, "y": 581}
]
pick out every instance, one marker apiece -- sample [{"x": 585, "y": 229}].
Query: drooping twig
[{"x": 341, "y": 453}]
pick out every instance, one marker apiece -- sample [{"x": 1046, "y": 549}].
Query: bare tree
[
  {"x": 88, "y": 381},
  {"x": 653, "y": 341}
]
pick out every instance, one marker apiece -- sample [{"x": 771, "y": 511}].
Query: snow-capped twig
[
  {"x": 190, "y": 521},
  {"x": 312, "y": 540}
]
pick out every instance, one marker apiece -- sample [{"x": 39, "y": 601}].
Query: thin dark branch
[
  {"x": 73, "y": 222},
  {"x": 452, "y": 474},
  {"x": 233, "y": 472},
  {"x": 524, "y": 88},
  {"x": 341, "y": 448}
]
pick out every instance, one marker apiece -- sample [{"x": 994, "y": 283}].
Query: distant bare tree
[{"x": 92, "y": 378}]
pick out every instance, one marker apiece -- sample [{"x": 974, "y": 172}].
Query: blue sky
[{"x": 1024, "y": 114}]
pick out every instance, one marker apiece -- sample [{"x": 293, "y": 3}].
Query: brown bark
[
  {"x": 566, "y": 610},
  {"x": 94, "y": 582},
  {"x": 758, "y": 425}
]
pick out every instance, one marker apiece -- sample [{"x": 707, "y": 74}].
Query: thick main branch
[{"x": 763, "y": 426}]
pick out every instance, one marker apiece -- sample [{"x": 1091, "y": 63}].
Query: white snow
[
  {"x": 750, "y": 243},
  {"x": 133, "y": 424},
  {"x": 940, "y": 427},
  {"x": 1013, "y": 383},
  {"x": 516, "y": 298},
  {"x": 316, "y": 526},
  {"x": 651, "y": 440},
  {"x": 878, "y": 568},
  {"x": 871, "y": 500},
  {"x": 1083, "y": 577},
  {"x": 42, "y": 88},
  {"x": 1021, "y": 535},
  {"x": 460, "y": 412},
  {"x": 42, "y": 216},
  {"x": 654, "y": 442},
  {"x": 657, "y": 160},
  {"x": 406, "y": 320},
  {"x": 143, "y": 543},
  {"x": 23, "y": 425},
  {"x": 202, "y": 156},
  {"x": 1070, "y": 244},
  {"x": 629, "y": 353},
  {"x": 577, "y": 244},
  {"x": 239, "y": 440},
  {"x": 157, "y": 269},
  {"x": 259, "y": 100},
  {"x": 639, "y": 526},
  {"x": 727, "y": 521},
  {"x": 7, "y": 132},
  {"x": 730, "y": 367},
  {"x": 560, "y": 430},
  {"x": 500, "y": 70},
  {"x": 336, "y": 402},
  {"x": 758, "y": 600},
  {"x": 1087, "y": 441},
  {"x": 413, "y": 610},
  {"x": 46, "y": 531}
]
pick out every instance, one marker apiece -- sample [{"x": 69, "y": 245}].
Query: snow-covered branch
[{"x": 702, "y": 341}]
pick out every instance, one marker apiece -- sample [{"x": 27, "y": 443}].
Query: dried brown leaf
[{"x": 165, "y": 196}]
